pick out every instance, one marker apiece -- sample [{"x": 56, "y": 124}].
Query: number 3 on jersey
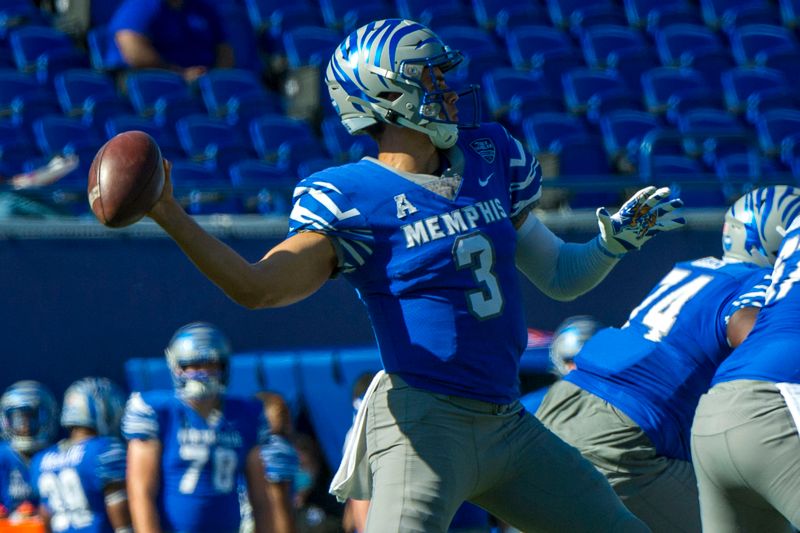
[
  {"x": 475, "y": 251},
  {"x": 667, "y": 301}
]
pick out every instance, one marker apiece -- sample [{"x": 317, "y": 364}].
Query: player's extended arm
[
  {"x": 143, "y": 474},
  {"x": 740, "y": 324},
  {"x": 263, "y": 511},
  {"x": 116, "y": 500},
  {"x": 280, "y": 495},
  {"x": 288, "y": 273},
  {"x": 565, "y": 271}
]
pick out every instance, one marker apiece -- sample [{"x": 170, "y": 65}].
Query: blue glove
[{"x": 647, "y": 213}]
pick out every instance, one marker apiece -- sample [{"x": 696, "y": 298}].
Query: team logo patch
[{"x": 484, "y": 148}]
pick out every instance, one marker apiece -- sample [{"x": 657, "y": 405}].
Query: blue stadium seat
[
  {"x": 240, "y": 35},
  {"x": 412, "y": 9},
  {"x": 262, "y": 187},
  {"x": 312, "y": 166},
  {"x": 327, "y": 381},
  {"x": 582, "y": 161},
  {"x": 281, "y": 371},
  {"x": 638, "y": 12},
  {"x": 719, "y": 13},
  {"x": 30, "y": 43},
  {"x": 630, "y": 64},
  {"x": 545, "y": 131},
  {"x": 741, "y": 83},
  {"x": 363, "y": 13},
  {"x": 662, "y": 83},
  {"x": 749, "y": 41},
  {"x": 790, "y": 13},
  {"x": 333, "y": 11},
  {"x": 711, "y": 134},
  {"x": 601, "y": 42},
  {"x": 56, "y": 134},
  {"x": 515, "y": 16},
  {"x": 16, "y": 148},
  {"x": 25, "y": 110},
  {"x": 212, "y": 140},
  {"x": 16, "y": 85},
  {"x": 293, "y": 152},
  {"x": 527, "y": 45},
  {"x": 485, "y": 11},
  {"x": 501, "y": 85},
  {"x": 266, "y": 141},
  {"x": 774, "y": 126},
  {"x": 97, "y": 42},
  {"x": 236, "y": 95},
  {"x": 597, "y": 92},
  {"x": 201, "y": 190},
  {"x": 623, "y": 132},
  {"x": 342, "y": 146},
  {"x": 755, "y": 13},
  {"x": 785, "y": 60},
  {"x": 579, "y": 14},
  {"x": 167, "y": 141},
  {"x": 750, "y": 166},
  {"x": 471, "y": 69},
  {"x": 146, "y": 88},
  {"x": 260, "y": 12},
  {"x": 245, "y": 374},
  {"x": 687, "y": 179},
  {"x": 309, "y": 46},
  {"x": 440, "y": 16},
  {"x": 468, "y": 39},
  {"x": 89, "y": 94},
  {"x": 678, "y": 43}
]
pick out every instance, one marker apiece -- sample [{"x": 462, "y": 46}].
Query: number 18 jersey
[
  {"x": 656, "y": 367},
  {"x": 436, "y": 271}
]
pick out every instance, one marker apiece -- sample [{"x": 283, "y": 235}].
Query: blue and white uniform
[
  {"x": 656, "y": 367},
  {"x": 71, "y": 479},
  {"x": 15, "y": 485},
  {"x": 201, "y": 459},
  {"x": 745, "y": 441},
  {"x": 437, "y": 274}
]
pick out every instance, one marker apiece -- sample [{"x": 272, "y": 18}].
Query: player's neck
[
  {"x": 205, "y": 406},
  {"x": 78, "y": 434},
  {"x": 408, "y": 150}
]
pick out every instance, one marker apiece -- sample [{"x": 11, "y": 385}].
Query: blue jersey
[
  {"x": 656, "y": 367},
  {"x": 436, "y": 272},
  {"x": 71, "y": 478},
  {"x": 280, "y": 459},
  {"x": 15, "y": 485},
  {"x": 770, "y": 352},
  {"x": 201, "y": 459}
]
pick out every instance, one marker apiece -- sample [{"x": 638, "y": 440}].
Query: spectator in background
[
  {"x": 184, "y": 36},
  {"x": 28, "y": 414},
  {"x": 188, "y": 448},
  {"x": 568, "y": 339},
  {"x": 81, "y": 480}
]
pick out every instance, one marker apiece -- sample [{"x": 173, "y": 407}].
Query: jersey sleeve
[
  {"x": 321, "y": 207},
  {"x": 280, "y": 461},
  {"x": 753, "y": 293},
  {"x": 525, "y": 177},
  {"x": 110, "y": 467},
  {"x": 140, "y": 420},
  {"x": 134, "y": 15}
]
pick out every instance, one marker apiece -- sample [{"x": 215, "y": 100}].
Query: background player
[
  {"x": 628, "y": 406},
  {"x": 430, "y": 233},
  {"x": 188, "y": 447},
  {"x": 81, "y": 480},
  {"x": 29, "y": 422},
  {"x": 745, "y": 443}
]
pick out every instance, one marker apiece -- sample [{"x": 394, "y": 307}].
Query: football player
[
  {"x": 430, "y": 234},
  {"x": 28, "y": 419},
  {"x": 188, "y": 447},
  {"x": 745, "y": 443},
  {"x": 81, "y": 480},
  {"x": 628, "y": 406}
]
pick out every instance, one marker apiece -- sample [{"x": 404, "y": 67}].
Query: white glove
[{"x": 648, "y": 212}]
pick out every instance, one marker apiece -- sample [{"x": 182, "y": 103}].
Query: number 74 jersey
[{"x": 432, "y": 258}]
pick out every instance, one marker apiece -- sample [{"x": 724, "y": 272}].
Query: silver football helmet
[
  {"x": 568, "y": 340},
  {"x": 376, "y": 74},
  {"x": 195, "y": 344},
  {"x": 95, "y": 403},
  {"x": 28, "y": 416},
  {"x": 756, "y": 223}
]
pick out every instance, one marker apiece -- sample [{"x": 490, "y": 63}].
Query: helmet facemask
[{"x": 189, "y": 353}]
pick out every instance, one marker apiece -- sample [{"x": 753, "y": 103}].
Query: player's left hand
[{"x": 645, "y": 214}]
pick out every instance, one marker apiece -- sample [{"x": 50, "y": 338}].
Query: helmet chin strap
[{"x": 441, "y": 135}]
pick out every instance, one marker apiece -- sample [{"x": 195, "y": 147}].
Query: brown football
[{"x": 126, "y": 179}]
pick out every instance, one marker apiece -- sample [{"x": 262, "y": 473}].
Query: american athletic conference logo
[{"x": 484, "y": 148}]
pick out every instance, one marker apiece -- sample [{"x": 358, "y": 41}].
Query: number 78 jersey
[
  {"x": 434, "y": 267},
  {"x": 656, "y": 367}
]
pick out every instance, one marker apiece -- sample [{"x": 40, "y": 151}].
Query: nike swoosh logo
[{"x": 485, "y": 182}]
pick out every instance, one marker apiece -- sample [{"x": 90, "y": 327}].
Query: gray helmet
[
  {"x": 756, "y": 222},
  {"x": 384, "y": 59}
]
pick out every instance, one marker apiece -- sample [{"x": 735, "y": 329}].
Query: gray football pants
[
  {"x": 746, "y": 451},
  {"x": 661, "y": 491},
  {"x": 430, "y": 452}
]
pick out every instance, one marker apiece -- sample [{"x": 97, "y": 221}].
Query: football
[{"x": 126, "y": 179}]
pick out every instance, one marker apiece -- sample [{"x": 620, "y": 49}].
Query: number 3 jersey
[
  {"x": 656, "y": 367},
  {"x": 770, "y": 352},
  {"x": 201, "y": 460},
  {"x": 434, "y": 262},
  {"x": 70, "y": 479}
]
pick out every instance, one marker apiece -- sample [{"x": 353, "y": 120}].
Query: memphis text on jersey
[{"x": 455, "y": 222}]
